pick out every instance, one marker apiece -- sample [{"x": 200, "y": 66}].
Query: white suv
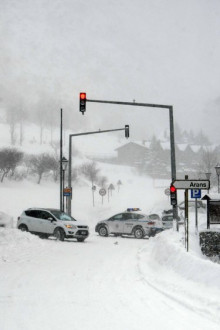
[{"x": 52, "y": 222}]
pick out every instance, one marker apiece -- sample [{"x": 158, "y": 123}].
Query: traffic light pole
[
  {"x": 172, "y": 143},
  {"x": 61, "y": 156},
  {"x": 126, "y": 129}
]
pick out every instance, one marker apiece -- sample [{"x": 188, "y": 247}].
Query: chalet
[{"x": 131, "y": 154}]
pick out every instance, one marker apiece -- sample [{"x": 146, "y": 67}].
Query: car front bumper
[{"x": 80, "y": 233}]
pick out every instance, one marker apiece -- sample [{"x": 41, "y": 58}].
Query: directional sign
[
  {"x": 191, "y": 184},
  {"x": 195, "y": 193}
]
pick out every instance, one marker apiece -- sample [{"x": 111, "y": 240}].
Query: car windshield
[{"x": 62, "y": 216}]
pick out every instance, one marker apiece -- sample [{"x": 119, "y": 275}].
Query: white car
[
  {"x": 130, "y": 222},
  {"x": 52, "y": 222},
  {"x": 6, "y": 220},
  {"x": 192, "y": 204}
]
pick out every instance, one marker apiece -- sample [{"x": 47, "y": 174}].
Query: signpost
[
  {"x": 196, "y": 186},
  {"x": 102, "y": 192},
  {"x": 67, "y": 192},
  {"x": 167, "y": 191},
  {"x": 192, "y": 184},
  {"x": 196, "y": 193}
]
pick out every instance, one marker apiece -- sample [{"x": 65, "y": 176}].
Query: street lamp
[
  {"x": 64, "y": 167},
  {"x": 217, "y": 168}
]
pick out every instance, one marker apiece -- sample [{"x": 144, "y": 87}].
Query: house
[{"x": 131, "y": 154}]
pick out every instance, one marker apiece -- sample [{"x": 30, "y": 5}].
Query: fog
[{"x": 152, "y": 51}]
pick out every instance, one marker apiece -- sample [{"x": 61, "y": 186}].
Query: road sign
[
  {"x": 167, "y": 191},
  {"x": 102, "y": 192},
  {"x": 192, "y": 184},
  {"x": 67, "y": 191},
  {"x": 195, "y": 193}
]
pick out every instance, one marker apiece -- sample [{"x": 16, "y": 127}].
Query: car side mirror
[{"x": 51, "y": 219}]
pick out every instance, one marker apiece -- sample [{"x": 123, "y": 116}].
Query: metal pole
[
  {"x": 196, "y": 211},
  {"x": 208, "y": 216},
  {"x": 172, "y": 143},
  {"x": 61, "y": 156},
  {"x": 187, "y": 220},
  {"x": 173, "y": 159},
  {"x": 218, "y": 183},
  {"x": 187, "y": 216},
  {"x": 70, "y": 159},
  {"x": 63, "y": 189},
  {"x": 70, "y": 174}
]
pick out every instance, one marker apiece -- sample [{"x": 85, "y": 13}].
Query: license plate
[{"x": 83, "y": 232}]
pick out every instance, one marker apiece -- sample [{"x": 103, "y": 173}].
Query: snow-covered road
[{"x": 104, "y": 283}]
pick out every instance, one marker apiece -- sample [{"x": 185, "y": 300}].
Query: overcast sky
[{"x": 153, "y": 51}]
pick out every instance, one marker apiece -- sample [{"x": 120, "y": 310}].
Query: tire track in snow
[{"x": 211, "y": 313}]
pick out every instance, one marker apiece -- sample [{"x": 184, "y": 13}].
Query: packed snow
[{"x": 106, "y": 282}]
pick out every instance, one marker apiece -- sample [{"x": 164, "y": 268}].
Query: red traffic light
[
  {"x": 82, "y": 96},
  {"x": 172, "y": 189},
  {"x": 173, "y": 195},
  {"x": 82, "y": 102}
]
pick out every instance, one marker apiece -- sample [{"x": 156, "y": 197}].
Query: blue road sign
[
  {"x": 195, "y": 193},
  {"x": 66, "y": 194}
]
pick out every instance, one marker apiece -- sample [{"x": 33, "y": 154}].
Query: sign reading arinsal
[{"x": 191, "y": 184}]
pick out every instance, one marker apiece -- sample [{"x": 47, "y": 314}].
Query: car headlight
[{"x": 70, "y": 226}]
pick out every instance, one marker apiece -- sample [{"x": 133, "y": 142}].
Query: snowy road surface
[{"x": 104, "y": 283}]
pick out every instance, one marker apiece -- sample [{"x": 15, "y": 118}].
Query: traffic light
[
  {"x": 127, "y": 131},
  {"x": 173, "y": 195},
  {"x": 82, "y": 102}
]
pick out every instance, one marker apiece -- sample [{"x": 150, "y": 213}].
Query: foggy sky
[{"x": 152, "y": 51}]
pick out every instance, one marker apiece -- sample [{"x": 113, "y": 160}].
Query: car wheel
[
  {"x": 103, "y": 231},
  {"x": 80, "y": 239},
  {"x": 138, "y": 233},
  {"x": 59, "y": 234},
  {"x": 23, "y": 228}
]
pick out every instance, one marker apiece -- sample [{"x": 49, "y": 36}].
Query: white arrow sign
[{"x": 191, "y": 184}]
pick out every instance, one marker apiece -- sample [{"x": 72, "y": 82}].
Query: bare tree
[
  {"x": 41, "y": 164},
  {"x": 54, "y": 166},
  {"x": 22, "y": 115},
  {"x": 208, "y": 160},
  {"x": 90, "y": 171},
  {"x": 102, "y": 181},
  {"x": 9, "y": 160},
  {"x": 12, "y": 118}
]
